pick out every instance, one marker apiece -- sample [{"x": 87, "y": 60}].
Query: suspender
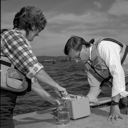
[
  {"x": 125, "y": 54},
  {"x": 113, "y": 40},
  {"x": 119, "y": 43}
]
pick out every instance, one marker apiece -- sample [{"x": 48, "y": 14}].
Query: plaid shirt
[{"x": 18, "y": 50}]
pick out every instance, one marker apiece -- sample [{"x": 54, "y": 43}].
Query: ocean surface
[{"x": 68, "y": 74}]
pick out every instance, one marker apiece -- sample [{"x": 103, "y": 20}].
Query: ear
[{"x": 33, "y": 28}]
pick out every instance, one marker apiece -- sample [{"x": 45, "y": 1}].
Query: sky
[{"x": 86, "y": 18}]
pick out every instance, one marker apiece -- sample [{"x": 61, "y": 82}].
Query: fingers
[
  {"x": 58, "y": 102},
  {"x": 110, "y": 118},
  {"x": 58, "y": 93},
  {"x": 120, "y": 117},
  {"x": 64, "y": 93},
  {"x": 115, "y": 117},
  {"x": 61, "y": 93}
]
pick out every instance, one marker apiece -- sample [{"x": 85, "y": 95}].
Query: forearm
[
  {"x": 36, "y": 87},
  {"x": 118, "y": 89},
  {"x": 43, "y": 77},
  {"x": 39, "y": 90}
]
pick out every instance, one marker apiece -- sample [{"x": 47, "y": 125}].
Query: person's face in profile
[
  {"x": 82, "y": 55},
  {"x": 74, "y": 55}
]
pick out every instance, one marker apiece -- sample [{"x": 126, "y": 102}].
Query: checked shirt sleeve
[{"x": 20, "y": 54}]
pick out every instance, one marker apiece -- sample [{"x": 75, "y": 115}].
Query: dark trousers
[{"x": 7, "y": 104}]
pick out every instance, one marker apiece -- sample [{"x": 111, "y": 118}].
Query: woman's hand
[
  {"x": 61, "y": 91},
  {"x": 115, "y": 113}
]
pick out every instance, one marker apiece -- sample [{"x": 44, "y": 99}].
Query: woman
[
  {"x": 16, "y": 50},
  {"x": 105, "y": 60}
]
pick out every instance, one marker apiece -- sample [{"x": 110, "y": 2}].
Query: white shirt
[{"x": 110, "y": 53}]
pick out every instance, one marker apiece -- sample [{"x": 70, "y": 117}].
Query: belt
[{"x": 5, "y": 63}]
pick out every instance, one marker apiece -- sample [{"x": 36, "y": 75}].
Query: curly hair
[
  {"x": 76, "y": 42},
  {"x": 29, "y": 17}
]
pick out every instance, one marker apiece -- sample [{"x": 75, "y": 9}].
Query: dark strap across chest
[{"x": 119, "y": 43}]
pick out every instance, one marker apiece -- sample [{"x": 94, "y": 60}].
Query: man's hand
[{"x": 114, "y": 113}]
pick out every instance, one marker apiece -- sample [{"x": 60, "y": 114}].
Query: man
[
  {"x": 16, "y": 51},
  {"x": 105, "y": 60}
]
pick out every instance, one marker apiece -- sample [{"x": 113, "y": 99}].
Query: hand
[
  {"x": 93, "y": 100},
  {"x": 53, "y": 101},
  {"x": 61, "y": 92},
  {"x": 114, "y": 113}
]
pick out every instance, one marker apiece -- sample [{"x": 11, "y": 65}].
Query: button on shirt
[
  {"x": 110, "y": 53},
  {"x": 18, "y": 50}
]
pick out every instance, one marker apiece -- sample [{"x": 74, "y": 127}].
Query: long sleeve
[
  {"x": 110, "y": 53},
  {"x": 15, "y": 47}
]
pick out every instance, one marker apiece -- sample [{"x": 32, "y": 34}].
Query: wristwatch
[{"x": 114, "y": 103}]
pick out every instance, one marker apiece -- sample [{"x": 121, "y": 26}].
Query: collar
[
  {"x": 93, "y": 52},
  {"x": 28, "y": 42}
]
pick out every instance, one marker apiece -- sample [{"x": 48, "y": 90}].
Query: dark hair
[
  {"x": 29, "y": 17},
  {"x": 76, "y": 42}
]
